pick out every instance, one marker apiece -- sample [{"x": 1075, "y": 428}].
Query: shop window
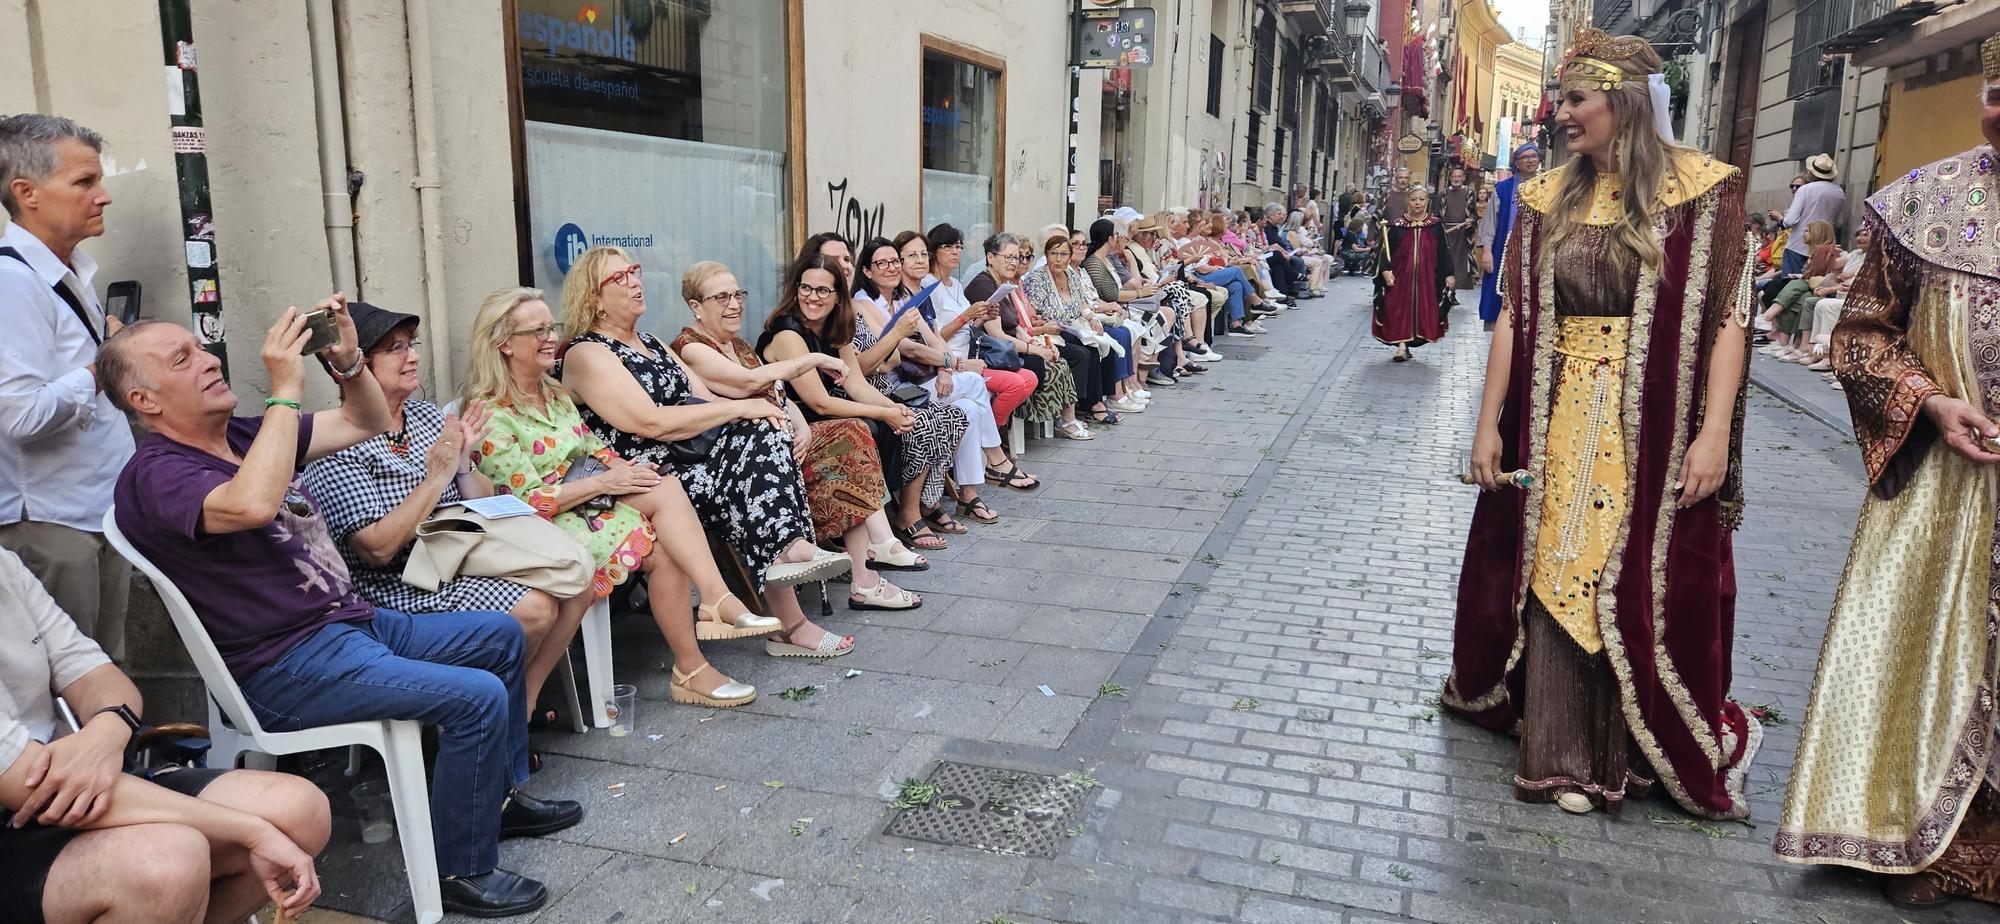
[
  {"x": 961, "y": 144},
  {"x": 659, "y": 126}
]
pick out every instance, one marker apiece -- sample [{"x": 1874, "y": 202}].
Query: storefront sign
[{"x": 1410, "y": 144}]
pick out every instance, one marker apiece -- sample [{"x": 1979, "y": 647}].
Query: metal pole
[
  {"x": 1075, "y": 94},
  {"x": 191, "y": 169}
]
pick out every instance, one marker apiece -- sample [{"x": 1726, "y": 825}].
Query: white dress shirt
[{"x": 61, "y": 442}]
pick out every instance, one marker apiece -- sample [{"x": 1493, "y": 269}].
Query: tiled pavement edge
[{"x": 1265, "y": 564}]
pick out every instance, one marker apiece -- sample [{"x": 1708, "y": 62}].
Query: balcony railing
[
  {"x": 1310, "y": 17},
  {"x": 1370, "y": 64},
  {"x": 1875, "y": 20}
]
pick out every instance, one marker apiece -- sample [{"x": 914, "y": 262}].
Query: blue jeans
[
  {"x": 458, "y": 671},
  {"x": 1231, "y": 278},
  {"x": 1118, "y": 368}
]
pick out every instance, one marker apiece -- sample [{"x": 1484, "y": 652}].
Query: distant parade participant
[
  {"x": 1895, "y": 770},
  {"x": 1491, "y": 239},
  {"x": 1413, "y": 279},
  {"x": 1596, "y": 607},
  {"x": 1455, "y": 207}
]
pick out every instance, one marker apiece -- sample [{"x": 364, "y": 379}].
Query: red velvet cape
[{"x": 1667, "y": 610}]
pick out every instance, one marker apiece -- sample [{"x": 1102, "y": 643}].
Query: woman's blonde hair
[
  {"x": 1643, "y": 157},
  {"x": 1819, "y": 232},
  {"x": 583, "y": 287},
  {"x": 486, "y": 377},
  {"x": 698, "y": 275}
]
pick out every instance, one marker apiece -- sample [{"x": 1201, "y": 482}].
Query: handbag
[
  {"x": 995, "y": 353},
  {"x": 456, "y": 542},
  {"x": 910, "y": 396},
  {"x": 692, "y": 449},
  {"x": 590, "y": 467}
]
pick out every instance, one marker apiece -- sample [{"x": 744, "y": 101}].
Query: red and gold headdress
[{"x": 1590, "y": 62}]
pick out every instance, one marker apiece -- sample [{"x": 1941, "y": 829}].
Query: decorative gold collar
[{"x": 1688, "y": 176}]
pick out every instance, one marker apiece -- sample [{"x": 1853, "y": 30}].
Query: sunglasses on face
[{"x": 629, "y": 276}]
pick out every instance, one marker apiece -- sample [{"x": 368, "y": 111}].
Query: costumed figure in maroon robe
[
  {"x": 1413, "y": 279},
  {"x": 1596, "y": 606}
]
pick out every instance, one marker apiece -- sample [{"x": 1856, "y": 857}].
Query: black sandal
[
  {"x": 944, "y": 523},
  {"x": 1010, "y": 477},
  {"x": 971, "y": 508},
  {"x": 913, "y": 537}
]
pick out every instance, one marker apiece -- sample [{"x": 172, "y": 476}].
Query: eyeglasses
[
  {"x": 541, "y": 332},
  {"x": 629, "y": 276},
  {"x": 885, "y": 264},
  {"x": 401, "y": 348},
  {"x": 723, "y": 298},
  {"x": 945, "y": 247},
  {"x": 815, "y": 292},
  {"x": 1057, "y": 252},
  {"x": 921, "y": 256}
]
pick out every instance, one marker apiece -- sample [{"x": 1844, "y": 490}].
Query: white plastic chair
[{"x": 234, "y": 732}]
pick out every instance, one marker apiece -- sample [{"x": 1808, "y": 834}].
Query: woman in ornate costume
[
  {"x": 1895, "y": 770},
  {"x": 1616, "y": 380},
  {"x": 1413, "y": 278}
]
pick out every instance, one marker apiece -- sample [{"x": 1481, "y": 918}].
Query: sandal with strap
[
  {"x": 976, "y": 508},
  {"x": 709, "y": 626},
  {"x": 1010, "y": 477},
  {"x": 830, "y": 646},
  {"x": 879, "y": 597},
  {"x": 943, "y": 522},
  {"x": 730, "y": 693},
  {"x": 822, "y": 565},
  {"x": 1074, "y": 430},
  {"x": 891, "y": 555},
  {"x": 918, "y": 535}
]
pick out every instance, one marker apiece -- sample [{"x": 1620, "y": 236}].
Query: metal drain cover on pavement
[{"x": 990, "y": 808}]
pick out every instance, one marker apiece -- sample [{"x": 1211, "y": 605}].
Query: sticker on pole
[
  {"x": 184, "y": 55},
  {"x": 190, "y": 139},
  {"x": 200, "y": 254}
]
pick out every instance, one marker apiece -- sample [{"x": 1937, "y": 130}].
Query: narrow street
[{"x": 1240, "y": 606}]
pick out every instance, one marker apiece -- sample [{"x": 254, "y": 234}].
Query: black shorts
[{"x": 28, "y": 853}]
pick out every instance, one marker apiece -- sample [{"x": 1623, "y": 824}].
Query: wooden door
[{"x": 1748, "y": 70}]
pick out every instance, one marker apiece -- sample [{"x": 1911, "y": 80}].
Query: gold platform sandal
[
  {"x": 709, "y": 626},
  {"x": 731, "y": 693}
]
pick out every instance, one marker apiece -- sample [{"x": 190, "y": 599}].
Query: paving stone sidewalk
[{"x": 1239, "y": 604}]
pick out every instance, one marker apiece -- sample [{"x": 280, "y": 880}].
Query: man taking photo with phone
[{"x": 61, "y": 441}]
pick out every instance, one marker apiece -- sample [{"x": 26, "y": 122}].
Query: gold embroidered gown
[{"x": 1895, "y": 770}]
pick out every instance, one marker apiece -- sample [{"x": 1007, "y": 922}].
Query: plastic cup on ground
[
  {"x": 378, "y": 813},
  {"x": 624, "y": 698}
]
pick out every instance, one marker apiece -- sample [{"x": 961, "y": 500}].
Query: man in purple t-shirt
[{"x": 214, "y": 501}]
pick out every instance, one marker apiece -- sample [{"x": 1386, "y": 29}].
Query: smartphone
[
  {"x": 121, "y": 301},
  {"x": 325, "y": 330}
]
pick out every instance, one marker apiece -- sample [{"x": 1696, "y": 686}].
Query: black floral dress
[{"x": 749, "y": 491}]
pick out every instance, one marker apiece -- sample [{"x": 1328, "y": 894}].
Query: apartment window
[
  {"x": 1215, "y": 55},
  {"x": 1250, "y": 146},
  {"x": 1815, "y": 79},
  {"x": 961, "y": 139},
  {"x": 1278, "y": 158},
  {"x": 1288, "y": 75},
  {"x": 637, "y": 127},
  {"x": 1263, "y": 62}
]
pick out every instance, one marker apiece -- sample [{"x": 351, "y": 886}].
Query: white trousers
[
  {"x": 969, "y": 394},
  {"x": 1826, "y": 313}
]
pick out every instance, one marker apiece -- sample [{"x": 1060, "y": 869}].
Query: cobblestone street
[{"x": 1226, "y": 620}]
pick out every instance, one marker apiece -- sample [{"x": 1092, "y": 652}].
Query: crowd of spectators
[{"x": 864, "y": 426}]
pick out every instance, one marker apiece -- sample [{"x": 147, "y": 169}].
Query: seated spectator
[
  {"x": 1286, "y": 268},
  {"x": 1304, "y": 241},
  {"x": 627, "y": 514},
  {"x": 1061, "y": 293},
  {"x": 1786, "y": 311},
  {"x": 1358, "y": 244},
  {"x": 921, "y": 359},
  {"x": 1113, "y": 294},
  {"x": 376, "y": 493},
  {"x": 89, "y": 842},
  {"x": 1833, "y": 300},
  {"x": 639, "y": 399},
  {"x": 213, "y": 501},
  {"x": 957, "y": 318},
  {"x": 1178, "y": 288},
  {"x": 916, "y": 443},
  {"x": 1208, "y": 255},
  {"x": 839, "y": 460},
  {"x": 1054, "y": 398}
]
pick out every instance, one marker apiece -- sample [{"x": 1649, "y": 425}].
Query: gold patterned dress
[{"x": 1895, "y": 770}]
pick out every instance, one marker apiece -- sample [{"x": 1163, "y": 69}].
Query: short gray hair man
[{"x": 28, "y": 149}]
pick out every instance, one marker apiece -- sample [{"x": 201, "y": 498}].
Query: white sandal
[
  {"x": 822, "y": 565},
  {"x": 879, "y": 597},
  {"x": 1074, "y": 430},
  {"x": 829, "y": 647},
  {"x": 890, "y": 555}
]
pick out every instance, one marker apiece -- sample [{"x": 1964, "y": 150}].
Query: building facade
[{"x": 1517, "y": 94}]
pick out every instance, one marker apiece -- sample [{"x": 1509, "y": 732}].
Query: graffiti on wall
[{"x": 853, "y": 220}]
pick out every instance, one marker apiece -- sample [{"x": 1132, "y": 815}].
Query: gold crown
[
  {"x": 1989, "y": 57},
  {"x": 1589, "y": 63}
]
